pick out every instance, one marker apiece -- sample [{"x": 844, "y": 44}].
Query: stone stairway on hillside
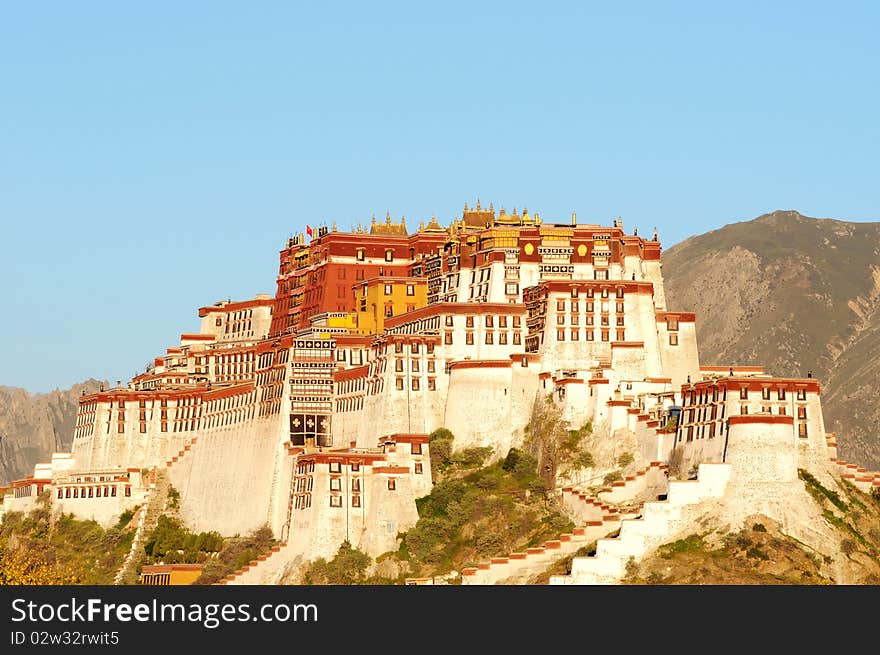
[
  {"x": 859, "y": 476},
  {"x": 597, "y": 514},
  {"x": 658, "y": 522},
  {"x": 518, "y": 567},
  {"x": 181, "y": 453},
  {"x": 265, "y": 569},
  {"x": 148, "y": 516}
]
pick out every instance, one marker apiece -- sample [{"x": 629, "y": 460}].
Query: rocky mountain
[
  {"x": 33, "y": 426},
  {"x": 794, "y": 294}
]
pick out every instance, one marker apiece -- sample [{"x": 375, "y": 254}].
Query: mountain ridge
[
  {"x": 34, "y": 425},
  {"x": 795, "y": 294}
]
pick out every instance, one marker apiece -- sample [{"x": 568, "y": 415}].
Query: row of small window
[
  {"x": 765, "y": 393},
  {"x": 575, "y": 319},
  {"x": 589, "y": 305},
  {"x": 485, "y": 274},
  {"x": 414, "y": 347},
  {"x": 414, "y": 365},
  {"x": 589, "y": 335},
  {"x": 603, "y": 293},
  {"x": 90, "y": 492},
  {"x": 361, "y": 254},
  {"x": 489, "y": 338},
  {"x": 767, "y": 409},
  {"x": 415, "y": 385},
  {"x": 702, "y": 431},
  {"x": 357, "y": 356},
  {"x": 479, "y": 291},
  {"x": 350, "y": 404},
  {"x": 488, "y": 321},
  {"x": 389, "y": 289},
  {"x": 358, "y": 274}
]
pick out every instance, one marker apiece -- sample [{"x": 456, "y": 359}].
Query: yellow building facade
[{"x": 383, "y": 297}]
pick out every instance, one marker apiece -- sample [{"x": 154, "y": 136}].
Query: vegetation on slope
[
  {"x": 39, "y": 548},
  {"x": 762, "y": 553},
  {"x": 171, "y": 542},
  {"x": 348, "y": 567},
  {"x": 477, "y": 511}
]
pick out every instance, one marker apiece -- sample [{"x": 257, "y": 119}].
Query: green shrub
[
  {"x": 756, "y": 553},
  {"x": 759, "y": 527},
  {"x": 690, "y": 544},
  {"x": 525, "y": 467},
  {"x": 614, "y": 476},
  {"x": 441, "y": 452},
  {"x": 471, "y": 457},
  {"x": 817, "y": 491},
  {"x": 348, "y": 567},
  {"x": 625, "y": 460},
  {"x": 441, "y": 433},
  {"x": 513, "y": 456},
  {"x": 125, "y": 517},
  {"x": 173, "y": 498},
  {"x": 582, "y": 460}
]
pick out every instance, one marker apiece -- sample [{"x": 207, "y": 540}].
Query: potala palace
[{"x": 309, "y": 411}]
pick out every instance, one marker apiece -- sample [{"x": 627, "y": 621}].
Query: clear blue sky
[{"x": 154, "y": 158}]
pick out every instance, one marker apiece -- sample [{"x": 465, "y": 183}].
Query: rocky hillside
[
  {"x": 33, "y": 426},
  {"x": 794, "y": 294},
  {"x": 762, "y": 551}
]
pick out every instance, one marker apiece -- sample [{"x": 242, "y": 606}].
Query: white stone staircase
[
  {"x": 154, "y": 504},
  {"x": 517, "y": 568},
  {"x": 659, "y": 521}
]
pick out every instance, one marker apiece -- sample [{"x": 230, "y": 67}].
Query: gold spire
[
  {"x": 574, "y": 218},
  {"x": 387, "y": 218},
  {"x": 334, "y": 226}
]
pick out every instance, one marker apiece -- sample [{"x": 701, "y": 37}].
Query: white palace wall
[{"x": 226, "y": 480}]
